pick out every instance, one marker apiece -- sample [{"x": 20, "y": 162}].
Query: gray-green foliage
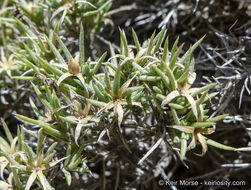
[{"x": 92, "y": 98}]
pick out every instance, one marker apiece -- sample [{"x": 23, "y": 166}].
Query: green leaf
[
  {"x": 183, "y": 78},
  {"x": 98, "y": 93},
  {"x": 203, "y": 89},
  {"x": 34, "y": 108},
  {"x": 27, "y": 78},
  {"x": 99, "y": 62},
  {"x": 160, "y": 39},
  {"x": 18, "y": 183},
  {"x": 136, "y": 40},
  {"x": 107, "y": 80},
  {"x": 96, "y": 103},
  {"x": 164, "y": 78},
  {"x": 75, "y": 158},
  {"x": 165, "y": 56},
  {"x": 30, "y": 154},
  {"x": 57, "y": 27},
  {"x": 171, "y": 78},
  {"x": 217, "y": 118},
  {"x": 124, "y": 42},
  {"x": 81, "y": 45},
  {"x": 149, "y": 78},
  {"x": 47, "y": 127},
  {"x": 188, "y": 54},
  {"x": 90, "y": 13},
  {"x": 105, "y": 6},
  {"x": 175, "y": 117},
  {"x": 20, "y": 135},
  {"x": 31, "y": 53},
  {"x": 26, "y": 29},
  {"x": 50, "y": 149},
  {"x": 174, "y": 57},
  {"x": 219, "y": 145},
  {"x": 150, "y": 45},
  {"x": 67, "y": 176},
  {"x": 174, "y": 47},
  {"x": 49, "y": 68},
  {"x": 203, "y": 124},
  {"x": 183, "y": 146},
  {"x": 66, "y": 51},
  {"x": 176, "y": 106},
  {"x": 7, "y": 131},
  {"x": 55, "y": 51},
  {"x": 42, "y": 99},
  {"x": 116, "y": 81},
  {"x": 40, "y": 140}
]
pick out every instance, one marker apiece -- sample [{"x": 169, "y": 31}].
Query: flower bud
[{"x": 73, "y": 66}]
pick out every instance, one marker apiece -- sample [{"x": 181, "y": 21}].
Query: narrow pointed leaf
[
  {"x": 183, "y": 146},
  {"x": 164, "y": 78},
  {"x": 203, "y": 143},
  {"x": 55, "y": 51},
  {"x": 174, "y": 47},
  {"x": 42, "y": 179},
  {"x": 136, "y": 40},
  {"x": 186, "y": 129},
  {"x": 203, "y": 124},
  {"x": 190, "y": 51},
  {"x": 150, "y": 45},
  {"x": 40, "y": 141},
  {"x": 160, "y": 40},
  {"x": 170, "y": 97},
  {"x": 175, "y": 117},
  {"x": 48, "y": 128},
  {"x": 125, "y": 86},
  {"x": 96, "y": 103},
  {"x": 30, "y": 154},
  {"x": 120, "y": 113},
  {"x": 31, "y": 180},
  {"x": 217, "y": 118},
  {"x": 124, "y": 42},
  {"x": 176, "y": 106},
  {"x": 219, "y": 145},
  {"x": 203, "y": 89},
  {"x": 175, "y": 57},
  {"x": 63, "y": 77},
  {"x": 82, "y": 80},
  {"x": 66, "y": 51},
  {"x": 7, "y": 131},
  {"x": 48, "y": 67},
  {"x": 67, "y": 176},
  {"x": 171, "y": 78},
  {"x": 107, "y": 80},
  {"x": 98, "y": 64},
  {"x": 165, "y": 56},
  {"x": 51, "y": 149},
  {"x": 193, "y": 104},
  {"x": 116, "y": 81}
]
